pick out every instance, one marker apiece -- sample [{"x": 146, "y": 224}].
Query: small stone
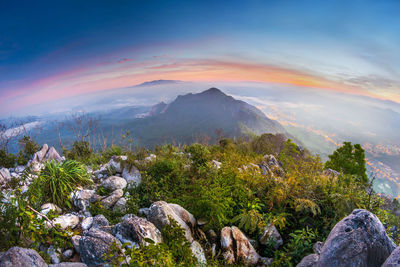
[{"x": 87, "y": 223}]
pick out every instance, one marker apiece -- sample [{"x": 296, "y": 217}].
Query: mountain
[
  {"x": 159, "y": 82},
  {"x": 193, "y": 116}
]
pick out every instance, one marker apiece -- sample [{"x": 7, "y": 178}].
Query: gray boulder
[
  {"x": 4, "y": 175},
  {"x": 54, "y": 255},
  {"x": 135, "y": 230},
  {"x": 132, "y": 175},
  {"x": 87, "y": 223},
  {"x": 120, "y": 205},
  {"x": 68, "y": 264},
  {"x": 75, "y": 242},
  {"x": 236, "y": 247},
  {"x": 100, "y": 222},
  {"x": 109, "y": 201},
  {"x": 114, "y": 182},
  {"x": 52, "y": 154},
  {"x": 357, "y": 240},
  {"x": 46, "y": 208},
  {"x": 270, "y": 233},
  {"x": 21, "y": 257},
  {"x": 65, "y": 221},
  {"x": 94, "y": 245},
  {"x": 39, "y": 155},
  {"x": 198, "y": 253},
  {"x": 159, "y": 213},
  {"x": 394, "y": 259},
  {"x": 309, "y": 261},
  {"x": 83, "y": 198}
]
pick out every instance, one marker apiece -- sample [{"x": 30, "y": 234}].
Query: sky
[{"x": 51, "y": 50}]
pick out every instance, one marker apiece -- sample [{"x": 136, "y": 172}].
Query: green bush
[
  {"x": 7, "y": 160},
  {"x": 28, "y": 147},
  {"x": 57, "y": 181}
]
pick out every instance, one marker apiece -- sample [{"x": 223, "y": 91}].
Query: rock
[
  {"x": 94, "y": 245},
  {"x": 271, "y": 166},
  {"x": 186, "y": 216},
  {"x": 244, "y": 250},
  {"x": 114, "y": 182},
  {"x": 39, "y": 155},
  {"x": 67, "y": 220},
  {"x": 227, "y": 246},
  {"x": 75, "y": 242},
  {"x": 271, "y": 234},
  {"x": 68, "y": 264},
  {"x": 52, "y": 154},
  {"x": 198, "y": 253},
  {"x": 87, "y": 223},
  {"x": 394, "y": 259},
  {"x": 46, "y": 208},
  {"x": 109, "y": 201},
  {"x": 309, "y": 261},
  {"x": 4, "y": 175},
  {"x": 82, "y": 198},
  {"x": 135, "y": 230},
  {"x": 19, "y": 169},
  {"x": 68, "y": 254},
  {"x": 159, "y": 213},
  {"x": 317, "y": 247},
  {"x": 237, "y": 248},
  {"x": 357, "y": 240},
  {"x": 120, "y": 205},
  {"x": 100, "y": 222},
  {"x": 330, "y": 172},
  {"x": 216, "y": 164},
  {"x": 21, "y": 257},
  {"x": 115, "y": 163},
  {"x": 132, "y": 175},
  {"x": 150, "y": 158},
  {"x": 54, "y": 256}
]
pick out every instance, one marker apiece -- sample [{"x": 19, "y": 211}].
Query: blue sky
[{"x": 56, "y": 49}]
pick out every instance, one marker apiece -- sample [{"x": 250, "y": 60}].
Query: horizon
[{"x": 79, "y": 49}]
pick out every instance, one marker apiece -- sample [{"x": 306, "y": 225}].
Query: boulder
[
  {"x": 237, "y": 248},
  {"x": 19, "y": 169},
  {"x": 109, "y": 201},
  {"x": 198, "y": 253},
  {"x": 309, "y": 261},
  {"x": 87, "y": 223},
  {"x": 68, "y": 254},
  {"x": 357, "y": 240},
  {"x": 271, "y": 166},
  {"x": 186, "y": 216},
  {"x": 159, "y": 213},
  {"x": 53, "y": 255},
  {"x": 120, "y": 205},
  {"x": 394, "y": 259},
  {"x": 114, "y": 182},
  {"x": 94, "y": 245},
  {"x": 67, "y": 220},
  {"x": 46, "y": 208},
  {"x": 4, "y": 175},
  {"x": 39, "y": 155},
  {"x": 135, "y": 230},
  {"x": 75, "y": 242},
  {"x": 271, "y": 234},
  {"x": 100, "y": 222},
  {"x": 132, "y": 175},
  {"x": 21, "y": 257},
  {"x": 83, "y": 198},
  {"x": 52, "y": 154}
]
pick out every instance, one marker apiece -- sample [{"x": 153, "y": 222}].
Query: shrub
[
  {"x": 28, "y": 147},
  {"x": 57, "y": 181},
  {"x": 7, "y": 160}
]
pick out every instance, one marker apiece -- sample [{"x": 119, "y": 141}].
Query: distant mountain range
[{"x": 193, "y": 116}]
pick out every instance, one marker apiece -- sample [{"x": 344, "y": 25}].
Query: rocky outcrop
[
  {"x": 83, "y": 198},
  {"x": 94, "y": 245},
  {"x": 44, "y": 154},
  {"x": 109, "y": 201},
  {"x": 271, "y": 166},
  {"x": 271, "y": 234},
  {"x": 52, "y": 154},
  {"x": 135, "y": 230},
  {"x": 160, "y": 212},
  {"x": 67, "y": 221},
  {"x": 357, "y": 240},
  {"x": 236, "y": 247},
  {"x": 394, "y": 259},
  {"x": 21, "y": 257}
]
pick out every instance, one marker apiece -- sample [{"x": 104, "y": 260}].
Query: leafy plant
[{"x": 57, "y": 181}]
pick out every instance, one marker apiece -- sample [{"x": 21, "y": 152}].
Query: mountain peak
[
  {"x": 213, "y": 91},
  {"x": 159, "y": 82}
]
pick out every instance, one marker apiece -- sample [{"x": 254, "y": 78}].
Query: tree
[{"x": 349, "y": 159}]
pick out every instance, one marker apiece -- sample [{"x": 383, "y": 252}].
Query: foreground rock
[
  {"x": 94, "y": 245},
  {"x": 114, "y": 182},
  {"x": 271, "y": 234},
  {"x": 135, "y": 230},
  {"x": 236, "y": 247},
  {"x": 66, "y": 221},
  {"x": 21, "y": 257},
  {"x": 271, "y": 166},
  {"x": 394, "y": 259},
  {"x": 132, "y": 175},
  {"x": 357, "y": 240},
  {"x": 160, "y": 211}
]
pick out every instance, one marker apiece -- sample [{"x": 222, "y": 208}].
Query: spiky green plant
[{"x": 57, "y": 181}]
